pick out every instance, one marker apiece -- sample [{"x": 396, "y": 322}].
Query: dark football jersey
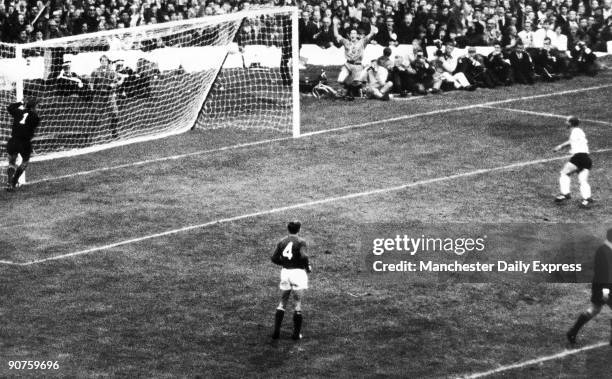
[
  {"x": 291, "y": 253},
  {"x": 25, "y": 122},
  {"x": 603, "y": 265}
]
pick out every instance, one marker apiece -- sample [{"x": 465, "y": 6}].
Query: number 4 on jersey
[{"x": 288, "y": 252}]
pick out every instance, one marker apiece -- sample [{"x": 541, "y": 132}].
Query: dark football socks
[
  {"x": 297, "y": 325},
  {"x": 582, "y": 319},
  {"x": 278, "y": 321},
  {"x": 9, "y": 173}
]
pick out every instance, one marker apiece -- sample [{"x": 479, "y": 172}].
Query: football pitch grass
[{"x": 194, "y": 293}]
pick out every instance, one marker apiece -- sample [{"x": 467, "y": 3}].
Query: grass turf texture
[{"x": 202, "y": 302}]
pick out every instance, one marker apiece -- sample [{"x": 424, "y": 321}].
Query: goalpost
[{"x": 101, "y": 90}]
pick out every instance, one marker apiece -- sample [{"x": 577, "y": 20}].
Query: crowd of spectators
[
  {"x": 465, "y": 22},
  {"x": 23, "y": 21},
  {"x": 528, "y": 39}
]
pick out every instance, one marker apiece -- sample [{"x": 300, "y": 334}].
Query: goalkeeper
[{"x": 25, "y": 122}]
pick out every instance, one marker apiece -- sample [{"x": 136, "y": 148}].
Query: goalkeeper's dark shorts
[
  {"x": 18, "y": 146},
  {"x": 597, "y": 297}
]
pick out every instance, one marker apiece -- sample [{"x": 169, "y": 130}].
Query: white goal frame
[{"x": 294, "y": 62}]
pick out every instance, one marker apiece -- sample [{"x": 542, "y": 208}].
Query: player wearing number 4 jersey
[
  {"x": 291, "y": 254},
  {"x": 25, "y": 122},
  {"x": 580, "y": 163}
]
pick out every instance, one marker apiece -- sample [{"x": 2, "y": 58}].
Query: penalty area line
[
  {"x": 535, "y": 361},
  {"x": 307, "y": 204},
  {"x": 310, "y": 134},
  {"x": 545, "y": 114}
]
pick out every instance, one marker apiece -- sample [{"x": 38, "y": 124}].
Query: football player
[
  {"x": 291, "y": 254},
  {"x": 351, "y": 74},
  {"x": 579, "y": 163},
  {"x": 600, "y": 287},
  {"x": 25, "y": 122}
]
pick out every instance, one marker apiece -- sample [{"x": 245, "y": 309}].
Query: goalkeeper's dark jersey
[
  {"x": 25, "y": 122},
  {"x": 291, "y": 253}
]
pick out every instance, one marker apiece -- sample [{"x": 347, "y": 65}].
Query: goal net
[{"x": 122, "y": 86}]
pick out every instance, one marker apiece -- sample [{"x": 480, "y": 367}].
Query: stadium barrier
[
  {"x": 334, "y": 56},
  {"x": 192, "y": 58}
]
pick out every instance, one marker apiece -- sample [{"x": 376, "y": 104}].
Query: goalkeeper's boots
[
  {"x": 586, "y": 203},
  {"x": 561, "y": 198},
  {"x": 15, "y": 180}
]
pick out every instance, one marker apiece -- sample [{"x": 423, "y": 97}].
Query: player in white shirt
[{"x": 579, "y": 163}]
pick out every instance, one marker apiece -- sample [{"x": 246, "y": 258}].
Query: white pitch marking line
[
  {"x": 531, "y": 362},
  {"x": 307, "y": 204},
  {"x": 161, "y": 159},
  {"x": 309, "y": 134},
  {"x": 10, "y": 263},
  {"x": 465, "y": 107},
  {"x": 545, "y": 114}
]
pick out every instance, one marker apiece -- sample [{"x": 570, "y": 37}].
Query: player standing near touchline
[
  {"x": 291, "y": 254},
  {"x": 25, "y": 122},
  {"x": 602, "y": 280},
  {"x": 579, "y": 163}
]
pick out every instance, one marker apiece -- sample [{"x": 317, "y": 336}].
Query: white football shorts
[{"x": 293, "y": 279}]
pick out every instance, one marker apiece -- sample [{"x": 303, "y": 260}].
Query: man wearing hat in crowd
[
  {"x": 324, "y": 38},
  {"x": 499, "y": 66},
  {"x": 69, "y": 83},
  {"x": 387, "y": 32},
  {"x": 473, "y": 67},
  {"x": 522, "y": 65}
]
